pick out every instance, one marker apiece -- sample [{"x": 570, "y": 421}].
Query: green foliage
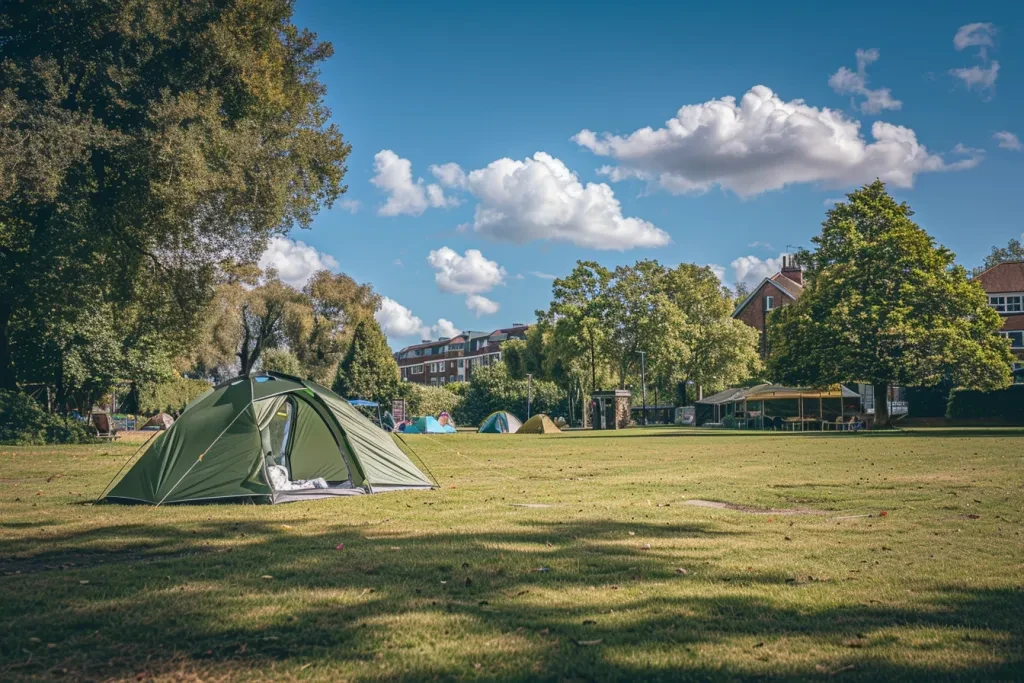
[
  {"x": 928, "y": 401},
  {"x": 139, "y": 143},
  {"x": 427, "y": 400},
  {"x": 601, "y": 321},
  {"x": 170, "y": 395},
  {"x": 24, "y": 422},
  {"x": 1013, "y": 251},
  {"x": 885, "y": 305},
  {"x": 494, "y": 389},
  {"x": 254, "y": 313},
  {"x": 513, "y": 353},
  {"x": 281, "y": 360},
  {"x": 368, "y": 370},
  {"x": 1005, "y": 404}
]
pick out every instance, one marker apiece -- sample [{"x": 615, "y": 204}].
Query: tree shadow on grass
[{"x": 246, "y": 598}]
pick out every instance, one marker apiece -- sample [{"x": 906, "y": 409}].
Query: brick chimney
[{"x": 792, "y": 270}]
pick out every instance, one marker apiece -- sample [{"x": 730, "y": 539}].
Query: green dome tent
[
  {"x": 268, "y": 438},
  {"x": 501, "y": 422}
]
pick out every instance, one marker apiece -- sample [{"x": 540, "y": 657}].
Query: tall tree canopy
[
  {"x": 368, "y": 369},
  {"x": 883, "y": 304},
  {"x": 253, "y": 313},
  {"x": 140, "y": 142},
  {"x": 600, "y": 321},
  {"x": 1013, "y": 251}
]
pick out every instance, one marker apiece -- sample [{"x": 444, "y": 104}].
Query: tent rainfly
[
  {"x": 539, "y": 424},
  {"x": 501, "y": 422},
  {"x": 268, "y": 438},
  {"x": 427, "y": 425}
]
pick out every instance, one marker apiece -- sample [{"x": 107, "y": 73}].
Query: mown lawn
[{"x": 448, "y": 584}]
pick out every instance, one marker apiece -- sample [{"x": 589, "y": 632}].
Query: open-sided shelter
[
  {"x": 761, "y": 406},
  {"x": 501, "y": 422},
  {"x": 265, "y": 438},
  {"x": 539, "y": 424}
]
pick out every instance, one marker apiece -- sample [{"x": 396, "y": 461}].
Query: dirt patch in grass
[{"x": 717, "y": 504}]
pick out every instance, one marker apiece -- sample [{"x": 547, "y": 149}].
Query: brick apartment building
[
  {"x": 453, "y": 359},
  {"x": 1004, "y": 284},
  {"x": 774, "y": 292}
]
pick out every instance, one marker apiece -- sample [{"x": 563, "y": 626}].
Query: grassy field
[{"x": 565, "y": 557}]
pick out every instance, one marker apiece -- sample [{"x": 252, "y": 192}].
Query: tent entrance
[{"x": 300, "y": 450}]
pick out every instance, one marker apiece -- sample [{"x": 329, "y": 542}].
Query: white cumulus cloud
[
  {"x": 539, "y": 198},
  {"x": 751, "y": 269},
  {"x": 847, "y": 82},
  {"x": 979, "y": 34},
  {"x": 763, "y": 143},
  {"x": 393, "y": 175},
  {"x": 396, "y": 320},
  {"x": 978, "y": 78},
  {"x": 295, "y": 261},
  {"x": 471, "y": 273},
  {"x": 542, "y": 275},
  {"x": 449, "y": 175},
  {"x": 981, "y": 78},
  {"x": 444, "y": 328},
  {"x": 1007, "y": 140},
  {"x": 481, "y": 305}
]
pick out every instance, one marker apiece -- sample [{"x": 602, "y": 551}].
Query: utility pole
[
  {"x": 643, "y": 383},
  {"x": 529, "y": 394}
]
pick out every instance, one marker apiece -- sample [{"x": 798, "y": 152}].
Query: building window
[
  {"x": 442, "y": 381},
  {"x": 433, "y": 381},
  {"x": 1018, "y": 373},
  {"x": 461, "y": 363},
  {"x": 769, "y": 303},
  {"x": 1007, "y": 303},
  {"x": 451, "y": 378},
  {"x": 416, "y": 370},
  {"x": 1016, "y": 338}
]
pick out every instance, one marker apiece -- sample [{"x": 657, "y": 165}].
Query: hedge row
[
  {"x": 23, "y": 422},
  {"x": 1006, "y": 404}
]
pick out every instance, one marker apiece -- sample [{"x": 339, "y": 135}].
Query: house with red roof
[{"x": 1004, "y": 285}]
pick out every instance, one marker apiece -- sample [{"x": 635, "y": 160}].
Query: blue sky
[{"x": 562, "y": 92}]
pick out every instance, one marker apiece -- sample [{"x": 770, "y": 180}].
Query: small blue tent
[{"x": 426, "y": 425}]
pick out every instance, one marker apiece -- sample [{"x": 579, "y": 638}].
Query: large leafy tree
[
  {"x": 643, "y": 319},
  {"x": 254, "y": 312},
  {"x": 368, "y": 370},
  {"x": 140, "y": 142},
  {"x": 1013, "y": 251},
  {"x": 884, "y": 305},
  {"x": 577, "y": 318},
  {"x": 719, "y": 351}
]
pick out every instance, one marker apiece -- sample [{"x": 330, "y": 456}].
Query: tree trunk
[
  {"x": 882, "y": 418},
  {"x": 7, "y": 376}
]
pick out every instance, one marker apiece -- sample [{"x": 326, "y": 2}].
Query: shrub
[
  {"x": 170, "y": 396},
  {"x": 426, "y": 400},
  {"x": 493, "y": 389},
  {"x": 928, "y": 401},
  {"x": 23, "y": 422},
  {"x": 1006, "y": 404}
]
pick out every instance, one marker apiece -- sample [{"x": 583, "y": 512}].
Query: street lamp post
[
  {"x": 643, "y": 383},
  {"x": 529, "y": 394}
]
